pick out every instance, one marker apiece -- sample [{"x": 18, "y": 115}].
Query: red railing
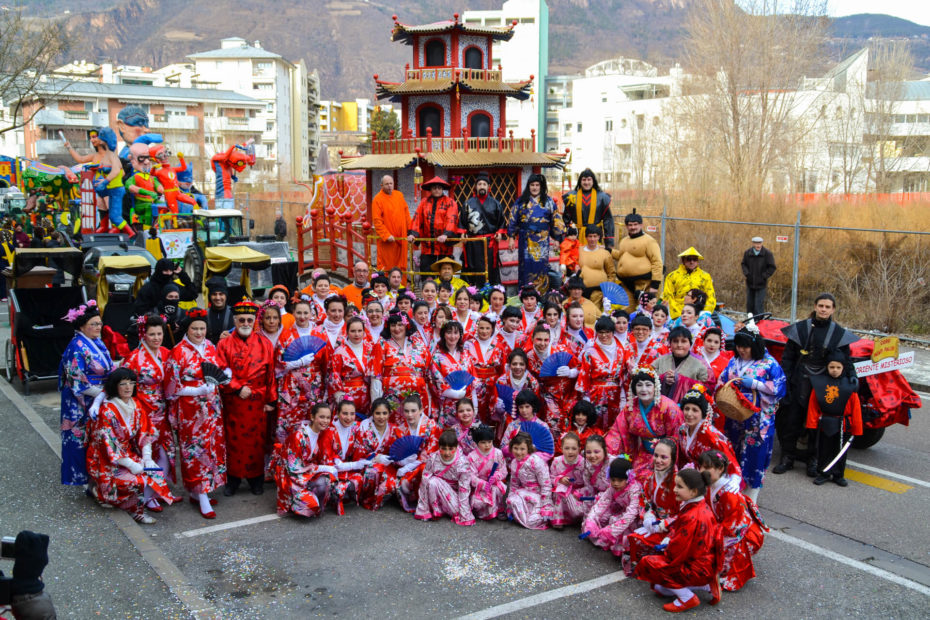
[
  {"x": 427, "y": 144},
  {"x": 325, "y": 235}
]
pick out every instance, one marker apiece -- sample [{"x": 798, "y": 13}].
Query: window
[
  {"x": 603, "y": 97},
  {"x": 578, "y": 128},
  {"x": 479, "y": 126},
  {"x": 270, "y": 108},
  {"x": 435, "y": 53},
  {"x": 474, "y": 58},
  {"x": 567, "y": 128},
  {"x": 89, "y": 106},
  {"x": 429, "y": 117},
  {"x": 608, "y": 125},
  {"x": 269, "y": 126}
]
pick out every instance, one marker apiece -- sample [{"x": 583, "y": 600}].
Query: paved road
[{"x": 860, "y": 551}]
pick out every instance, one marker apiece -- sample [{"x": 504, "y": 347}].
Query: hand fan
[
  {"x": 540, "y": 434},
  {"x": 615, "y": 294},
  {"x": 727, "y": 325},
  {"x": 304, "y": 345},
  {"x": 459, "y": 379},
  {"x": 213, "y": 374},
  {"x": 404, "y": 447},
  {"x": 493, "y": 469},
  {"x": 554, "y": 362},
  {"x": 505, "y": 393}
]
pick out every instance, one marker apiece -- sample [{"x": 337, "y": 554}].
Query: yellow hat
[{"x": 691, "y": 252}]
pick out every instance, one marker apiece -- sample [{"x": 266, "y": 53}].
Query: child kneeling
[
  {"x": 614, "y": 514},
  {"x": 446, "y": 482}
]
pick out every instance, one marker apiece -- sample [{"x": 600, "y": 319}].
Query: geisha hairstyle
[
  {"x": 524, "y": 439},
  {"x": 144, "y": 322},
  {"x": 745, "y": 338},
  {"x": 713, "y": 459},
  {"x": 695, "y": 397},
  {"x": 111, "y": 385}
]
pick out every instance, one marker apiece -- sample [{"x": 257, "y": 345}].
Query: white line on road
[
  {"x": 842, "y": 559},
  {"x": 545, "y": 597},
  {"x": 200, "y": 531},
  {"x": 890, "y": 474}
]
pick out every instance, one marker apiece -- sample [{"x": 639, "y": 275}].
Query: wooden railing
[{"x": 428, "y": 144}]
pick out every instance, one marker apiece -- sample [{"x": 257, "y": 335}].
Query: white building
[
  {"x": 281, "y": 85},
  {"x": 526, "y": 54}
]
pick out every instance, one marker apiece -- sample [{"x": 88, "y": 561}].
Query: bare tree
[
  {"x": 29, "y": 49},
  {"x": 748, "y": 60}
]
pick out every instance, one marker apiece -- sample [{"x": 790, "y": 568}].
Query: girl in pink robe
[
  {"x": 567, "y": 476},
  {"x": 446, "y": 484},
  {"x": 614, "y": 515},
  {"x": 489, "y": 470},
  {"x": 529, "y": 501}
]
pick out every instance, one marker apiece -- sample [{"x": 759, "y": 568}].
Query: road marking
[
  {"x": 890, "y": 474},
  {"x": 842, "y": 559},
  {"x": 546, "y": 597},
  {"x": 200, "y": 531},
  {"x": 878, "y": 482},
  {"x": 166, "y": 570}
]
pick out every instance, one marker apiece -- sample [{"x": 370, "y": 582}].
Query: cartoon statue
[
  {"x": 225, "y": 167},
  {"x": 108, "y": 179},
  {"x": 143, "y": 186},
  {"x": 168, "y": 175},
  {"x": 186, "y": 183},
  {"x": 132, "y": 123}
]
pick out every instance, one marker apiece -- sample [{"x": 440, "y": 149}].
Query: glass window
[
  {"x": 429, "y": 118},
  {"x": 435, "y": 53},
  {"x": 479, "y": 126},
  {"x": 474, "y": 59}
]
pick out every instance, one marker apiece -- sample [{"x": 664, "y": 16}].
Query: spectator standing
[
  {"x": 758, "y": 266},
  {"x": 688, "y": 276},
  {"x": 390, "y": 217}
]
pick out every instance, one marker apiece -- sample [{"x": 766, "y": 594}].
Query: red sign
[
  {"x": 782, "y": 238},
  {"x": 650, "y": 229}
]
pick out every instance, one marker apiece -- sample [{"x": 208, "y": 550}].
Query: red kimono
[
  {"x": 657, "y": 504},
  {"x": 604, "y": 380},
  {"x": 199, "y": 418},
  {"x": 150, "y": 396},
  {"x": 351, "y": 375},
  {"x": 516, "y": 340},
  {"x": 323, "y": 362},
  {"x": 486, "y": 366},
  {"x": 441, "y": 364},
  {"x": 429, "y": 431},
  {"x": 691, "y": 557},
  {"x": 651, "y": 350},
  {"x": 251, "y": 361},
  {"x": 403, "y": 370},
  {"x": 299, "y": 387},
  {"x": 379, "y": 480},
  {"x": 705, "y": 437},
  {"x": 339, "y": 441},
  {"x": 741, "y": 528},
  {"x": 644, "y": 428},
  {"x": 558, "y": 392},
  {"x": 302, "y": 488}
]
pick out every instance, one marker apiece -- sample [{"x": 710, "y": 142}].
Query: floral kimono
[
  {"x": 121, "y": 431},
  {"x": 298, "y": 388},
  {"x": 645, "y": 427},
  {"x": 596, "y": 480},
  {"x": 379, "y": 480},
  {"x": 198, "y": 419},
  {"x": 603, "y": 380},
  {"x": 487, "y": 364},
  {"x": 753, "y": 438},
  {"x": 445, "y": 489},
  {"x": 529, "y": 500},
  {"x": 429, "y": 431},
  {"x": 657, "y": 506},
  {"x": 647, "y": 353},
  {"x": 742, "y": 530},
  {"x": 487, "y": 481},
  {"x": 511, "y": 431},
  {"x": 441, "y": 365},
  {"x": 558, "y": 392},
  {"x": 351, "y": 375},
  {"x": 537, "y": 225},
  {"x": 463, "y": 433},
  {"x": 150, "y": 396},
  {"x": 403, "y": 371},
  {"x": 567, "y": 508},
  {"x": 84, "y": 367},
  {"x": 323, "y": 362},
  {"x": 338, "y": 440},
  {"x": 302, "y": 488},
  {"x": 705, "y": 437},
  {"x": 613, "y": 517}
]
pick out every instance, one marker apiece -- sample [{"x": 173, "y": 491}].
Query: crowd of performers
[{"x": 641, "y": 461}]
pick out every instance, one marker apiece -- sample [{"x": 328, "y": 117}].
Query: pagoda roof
[
  {"x": 436, "y": 80},
  {"x": 406, "y": 32},
  {"x": 457, "y": 159}
]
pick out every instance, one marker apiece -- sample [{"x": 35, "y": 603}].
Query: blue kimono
[
  {"x": 753, "y": 439},
  {"x": 535, "y": 224},
  {"x": 84, "y": 365}
]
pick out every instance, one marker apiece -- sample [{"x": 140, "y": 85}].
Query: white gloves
[
  {"x": 326, "y": 469},
  {"x": 499, "y": 405},
  {"x": 403, "y": 471},
  {"x": 228, "y": 373},
  {"x": 351, "y": 465},
  {"x": 377, "y": 390},
  {"x": 134, "y": 467},
  {"x": 300, "y": 362},
  {"x": 565, "y": 371},
  {"x": 383, "y": 459},
  {"x": 95, "y": 406},
  {"x": 408, "y": 460},
  {"x": 150, "y": 464},
  {"x": 454, "y": 394},
  {"x": 201, "y": 390}
]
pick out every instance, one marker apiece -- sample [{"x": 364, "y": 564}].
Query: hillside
[{"x": 348, "y": 41}]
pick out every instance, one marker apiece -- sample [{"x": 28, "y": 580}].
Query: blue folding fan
[
  {"x": 405, "y": 447},
  {"x": 505, "y": 393},
  {"x": 459, "y": 379},
  {"x": 727, "y": 325},
  {"x": 615, "y": 294},
  {"x": 553, "y": 363},
  {"x": 305, "y": 345},
  {"x": 493, "y": 469},
  {"x": 540, "y": 434}
]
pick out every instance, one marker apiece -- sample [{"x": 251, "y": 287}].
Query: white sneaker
[{"x": 144, "y": 519}]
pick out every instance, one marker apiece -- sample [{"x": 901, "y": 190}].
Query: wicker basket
[{"x": 732, "y": 404}]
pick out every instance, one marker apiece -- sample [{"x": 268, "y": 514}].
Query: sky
[{"x": 917, "y": 11}]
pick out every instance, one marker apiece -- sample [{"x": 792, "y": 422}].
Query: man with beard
[
  {"x": 437, "y": 217},
  {"x": 587, "y": 205},
  {"x": 810, "y": 343},
  {"x": 483, "y": 216},
  {"x": 149, "y": 296},
  {"x": 219, "y": 317},
  {"x": 247, "y": 398}
]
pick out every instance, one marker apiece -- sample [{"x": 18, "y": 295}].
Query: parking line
[
  {"x": 878, "y": 482},
  {"x": 884, "y": 472},
  {"x": 842, "y": 559},
  {"x": 200, "y": 531},
  {"x": 545, "y": 597}
]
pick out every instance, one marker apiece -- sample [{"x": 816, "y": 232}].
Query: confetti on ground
[{"x": 479, "y": 569}]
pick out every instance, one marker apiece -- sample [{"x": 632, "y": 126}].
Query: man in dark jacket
[
  {"x": 482, "y": 216},
  {"x": 149, "y": 296},
  {"x": 219, "y": 316},
  {"x": 758, "y": 266},
  {"x": 588, "y": 204}
]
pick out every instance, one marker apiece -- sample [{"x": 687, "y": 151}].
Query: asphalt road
[{"x": 863, "y": 551}]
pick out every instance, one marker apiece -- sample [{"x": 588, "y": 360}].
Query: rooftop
[
  {"x": 435, "y": 80},
  {"x": 146, "y": 93},
  {"x": 237, "y": 47},
  {"x": 405, "y": 32}
]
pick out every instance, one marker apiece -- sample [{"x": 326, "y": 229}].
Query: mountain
[{"x": 348, "y": 41}]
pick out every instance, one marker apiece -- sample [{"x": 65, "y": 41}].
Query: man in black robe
[{"x": 483, "y": 216}]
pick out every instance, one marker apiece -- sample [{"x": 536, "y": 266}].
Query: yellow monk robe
[{"x": 390, "y": 217}]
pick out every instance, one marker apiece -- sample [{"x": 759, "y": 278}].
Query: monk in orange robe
[{"x": 390, "y": 216}]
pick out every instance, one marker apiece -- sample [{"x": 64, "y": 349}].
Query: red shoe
[
  {"x": 104, "y": 224},
  {"x": 153, "y": 506},
  {"x": 212, "y": 515},
  {"x": 691, "y": 603},
  {"x": 714, "y": 590},
  {"x": 197, "y": 502}
]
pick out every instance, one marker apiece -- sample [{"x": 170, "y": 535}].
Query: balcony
[
  {"x": 165, "y": 121},
  {"x": 71, "y": 118},
  {"x": 409, "y": 146},
  {"x": 232, "y": 123},
  {"x": 433, "y": 74}
]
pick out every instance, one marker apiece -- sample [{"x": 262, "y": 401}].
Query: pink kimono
[
  {"x": 445, "y": 489},
  {"x": 613, "y": 517},
  {"x": 567, "y": 509},
  {"x": 529, "y": 501},
  {"x": 596, "y": 481},
  {"x": 487, "y": 499}
]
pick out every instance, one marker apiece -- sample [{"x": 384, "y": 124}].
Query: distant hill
[{"x": 348, "y": 41}]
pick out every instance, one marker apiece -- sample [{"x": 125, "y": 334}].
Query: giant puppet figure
[
  {"x": 226, "y": 165},
  {"x": 142, "y": 185},
  {"x": 132, "y": 124},
  {"x": 168, "y": 175}
]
